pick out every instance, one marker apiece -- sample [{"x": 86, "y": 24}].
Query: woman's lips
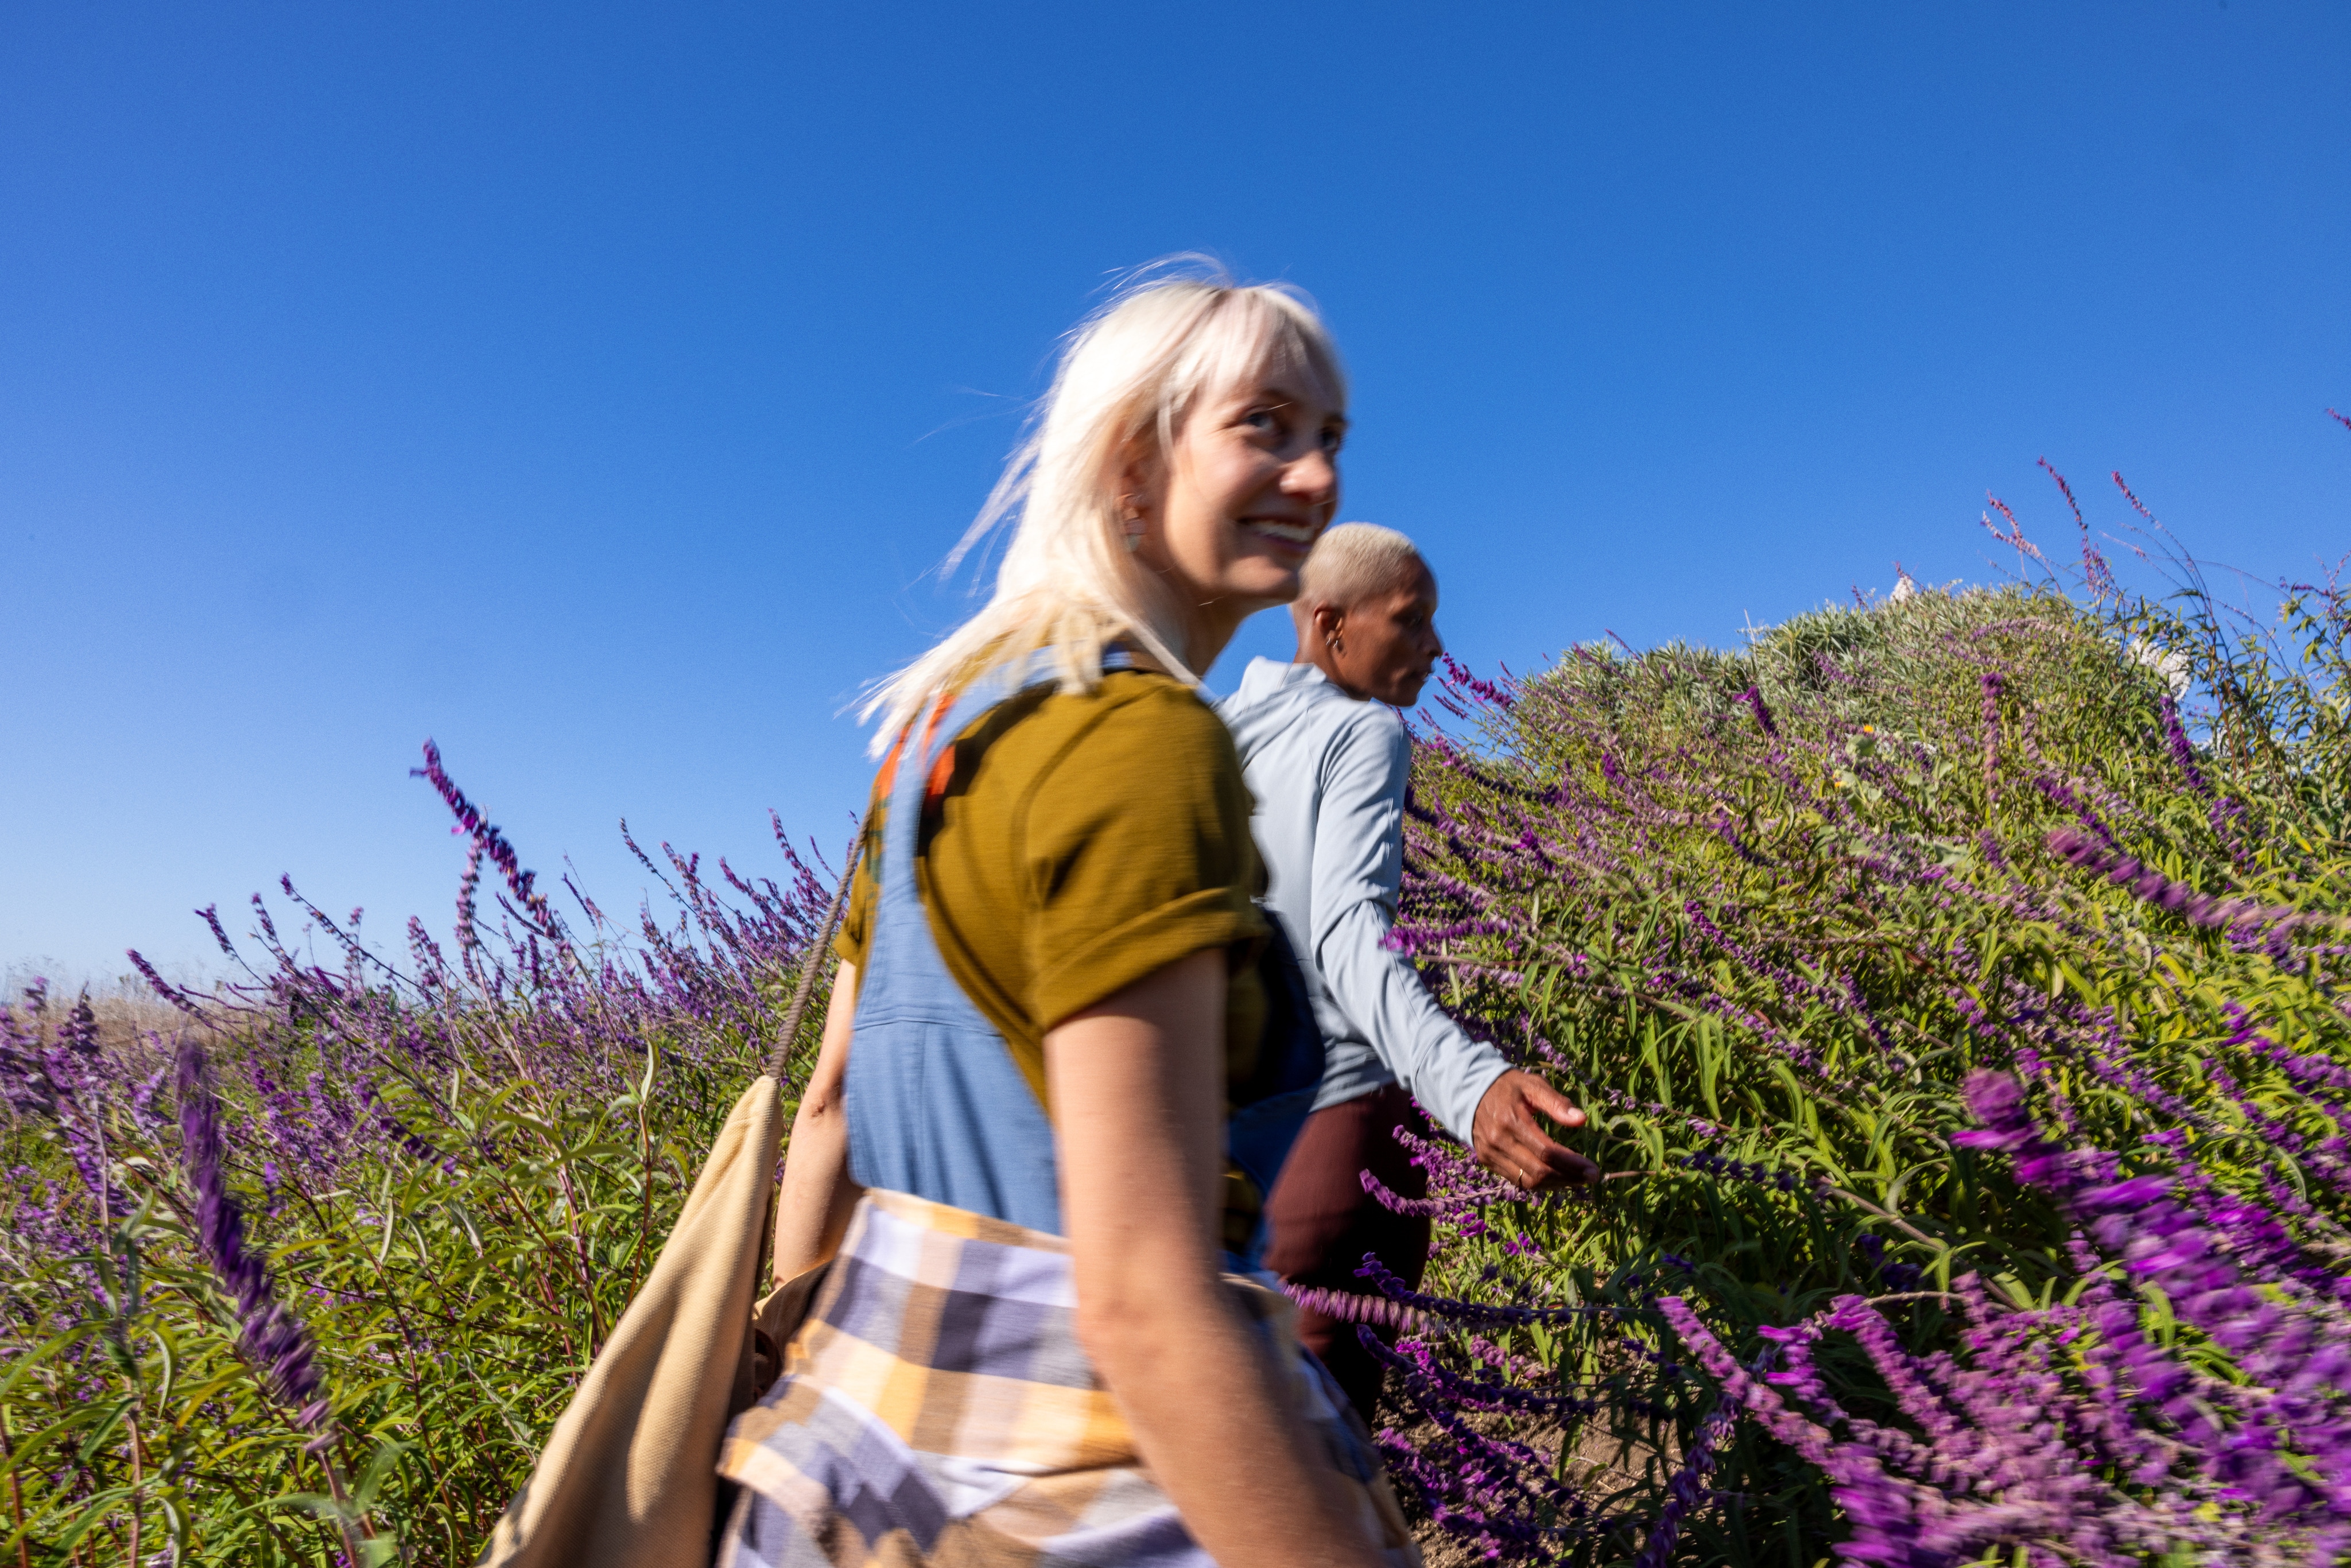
[{"x": 1297, "y": 535}]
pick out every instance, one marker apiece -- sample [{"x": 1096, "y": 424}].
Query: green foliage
[
  {"x": 1762, "y": 912},
  {"x": 457, "y": 1187},
  {"x": 1772, "y": 907}
]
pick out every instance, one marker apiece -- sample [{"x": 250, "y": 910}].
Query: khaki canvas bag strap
[
  {"x": 629, "y": 1477},
  {"x": 780, "y": 1057}
]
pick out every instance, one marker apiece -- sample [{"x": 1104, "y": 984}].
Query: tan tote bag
[{"x": 629, "y": 1477}]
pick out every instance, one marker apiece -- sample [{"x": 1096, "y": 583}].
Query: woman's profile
[{"x": 1032, "y": 1148}]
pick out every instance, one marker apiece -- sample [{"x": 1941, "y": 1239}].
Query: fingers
[
  {"x": 1573, "y": 1170},
  {"x": 1552, "y": 1103},
  {"x": 1512, "y": 1145},
  {"x": 1537, "y": 1164}
]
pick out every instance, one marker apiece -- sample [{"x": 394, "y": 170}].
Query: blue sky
[{"x": 595, "y": 388}]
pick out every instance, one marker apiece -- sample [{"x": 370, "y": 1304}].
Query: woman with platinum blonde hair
[
  {"x": 1060, "y": 1070},
  {"x": 1085, "y": 568}
]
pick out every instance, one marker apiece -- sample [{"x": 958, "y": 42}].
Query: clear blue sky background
[{"x": 595, "y": 388}]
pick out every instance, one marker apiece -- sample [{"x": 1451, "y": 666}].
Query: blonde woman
[{"x": 1051, "y": 1031}]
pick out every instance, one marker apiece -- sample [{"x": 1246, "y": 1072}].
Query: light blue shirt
[{"x": 1328, "y": 774}]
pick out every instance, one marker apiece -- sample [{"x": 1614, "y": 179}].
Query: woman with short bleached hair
[
  {"x": 1050, "y": 1027},
  {"x": 1329, "y": 761}
]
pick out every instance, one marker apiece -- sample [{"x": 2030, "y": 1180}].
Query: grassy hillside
[
  {"x": 1952, "y": 983},
  {"x": 1961, "y": 1039}
]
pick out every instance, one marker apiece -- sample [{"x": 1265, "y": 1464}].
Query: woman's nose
[{"x": 1312, "y": 478}]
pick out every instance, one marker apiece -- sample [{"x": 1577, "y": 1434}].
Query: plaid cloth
[{"x": 936, "y": 1408}]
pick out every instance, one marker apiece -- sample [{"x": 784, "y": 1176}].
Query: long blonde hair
[{"x": 1132, "y": 371}]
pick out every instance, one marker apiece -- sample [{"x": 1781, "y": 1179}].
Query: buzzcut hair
[{"x": 1352, "y": 562}]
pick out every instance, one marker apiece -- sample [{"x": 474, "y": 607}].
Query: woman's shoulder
[
  {"x": 1369, "y": 731},
  {"x": 1133, "y": 704},
  {"x": 1140, "y": 691},
  {"x": 1136, "y": 735}
]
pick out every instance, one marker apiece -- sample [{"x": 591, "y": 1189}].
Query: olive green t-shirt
[{"x": 1083, "y": 841}]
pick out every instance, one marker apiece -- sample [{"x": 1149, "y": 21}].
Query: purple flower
[
  {"x": 488, "y": 840},
  {"x": 272, "y": 1340},
  {"x": 2300, "y": 1360},
  {"x": 2183, "y": 750},
  {"x": 1348, "y": 1306},
  {"x": 1687, "y": 1488},
  {"x": 1898, "y": 1277},
  {"x": 2145, "y": 882},
  {"x": 1891, "y": 1518},
  {"x": 1459, "y": 675}
]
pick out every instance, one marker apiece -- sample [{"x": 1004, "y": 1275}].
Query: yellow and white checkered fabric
[{"x": 936, "y": 1408}]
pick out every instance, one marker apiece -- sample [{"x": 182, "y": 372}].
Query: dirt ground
[{"x": 1599, "y": 1464}]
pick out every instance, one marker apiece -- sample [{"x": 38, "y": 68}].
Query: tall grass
[
  {"x": 1953, "y": 983},
  {"x": 444, "y": 1177}
]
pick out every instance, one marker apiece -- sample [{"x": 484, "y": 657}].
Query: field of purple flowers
[
  {"x": 311, "y": 1275},
  {"x": 1954, "y": 986},
  {"x": 1952, "y": 981}
]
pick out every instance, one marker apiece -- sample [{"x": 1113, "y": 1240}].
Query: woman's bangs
[{"x": 1255, "y": 339}]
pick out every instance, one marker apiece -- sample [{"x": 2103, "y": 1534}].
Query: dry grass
[
  {"x": 121, "y": 1020},
  {"x": 126, "y": 1010}
]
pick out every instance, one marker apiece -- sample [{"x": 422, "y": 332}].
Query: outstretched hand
[{"x": 1510, "y": 1142}]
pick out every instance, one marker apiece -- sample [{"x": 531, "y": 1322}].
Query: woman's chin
[{"x": 1264, "y": 580}]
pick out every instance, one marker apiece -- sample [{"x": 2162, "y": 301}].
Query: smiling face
[{"x": 1251, "y": 482}]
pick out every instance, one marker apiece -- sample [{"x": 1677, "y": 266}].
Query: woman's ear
[
  {"x": 1139, "y": 470},
  {"x": 1330, "y": 625}
]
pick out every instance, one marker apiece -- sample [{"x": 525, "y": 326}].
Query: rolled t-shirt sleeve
[
  {"x": 1135, "y": 852},
  {"x": 864, "y": 889},
  {"x": 1358, "y": 867}
]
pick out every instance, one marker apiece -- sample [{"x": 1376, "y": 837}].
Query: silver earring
[{"x": 1135, "y": 525}]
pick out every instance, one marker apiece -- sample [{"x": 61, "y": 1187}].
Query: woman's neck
[{"x": 1208, "y": 631}]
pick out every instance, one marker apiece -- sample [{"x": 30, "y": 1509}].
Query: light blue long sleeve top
[{"x": 1328, "y": 774}]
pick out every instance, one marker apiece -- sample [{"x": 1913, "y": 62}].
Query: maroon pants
[{"x": 1324, "y": 1222}]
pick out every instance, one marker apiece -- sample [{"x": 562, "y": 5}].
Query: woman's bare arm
[
  {"x": 812, "y": 1212},
  {"x": 1137, "y": 1088}
]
